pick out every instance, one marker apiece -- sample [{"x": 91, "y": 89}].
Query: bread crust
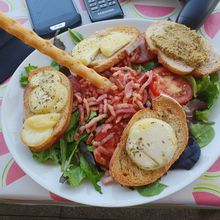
[
  {"x": 65, "y": 117},
  {"x": 211, "y": 65},
  {"x": 167, "y": 63},
  {"x": 123, "y": 169}
]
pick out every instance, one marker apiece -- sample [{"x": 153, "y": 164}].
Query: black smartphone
[
  {"x": 12, "y": 53},
  {"x": 47, "y": 16}
]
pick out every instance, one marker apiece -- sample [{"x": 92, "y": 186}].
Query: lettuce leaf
[
  {"x": 91, "y": 116},
  {"x": 74, "y": 121},
  {"x": 147, "y": 66},
  {"x": 208, "y": 88},
  {"x": 75, "y": 36},
  {"x": 203, "y": 133},
  {"x": 152, "y": 189},
  {"x": 73, "y": 127},
  {"x": 52, "y": 154},
  {"x": 203, "y": 116},
  {"x": 74, "y": 164},
  {"x": 55, "y": 65},
  {"x": 91, "y": 173},
  {"x": 30, "y": 67},
  {"x": 63, "y": 150},
  {"x": 193, "y": 83},
  {"x": 75, "y": 175},
  {"x": 74, "y": 149},
  {"x": 24, "y": 75},
  {"x": 91, "y": 148},
  {"x": 57, "y": 42}
]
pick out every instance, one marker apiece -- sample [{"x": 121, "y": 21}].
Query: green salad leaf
[
  {"x": 91, "y": 148},
  {"x": 57, "y": 42},
  {"x": 75, "y": 36},
  {"x": 203, "y": 116},
  {"x": 92, "y": 115},
  {"x": 52, "y": 154},
  {"x": 73, "y": 121},
  {"x": 55, "y": 65},
  {"x": 152, "y": 189},
  {"x": 66, "y": 152},
  {"x": 208, "y": 88},
  {"x": 24, "y": 75},
  {"x": 73, "y": 127},
  {"x": 193, "y": 83},
  {"x": 69, "y": 136},
  {"x": 63, "y": 149},
  {"x": 30, "y": 67},
  {"x": 74, "y": 149},
  {"x": 91, "y": 173},
  {"x": 203, "y": 84},
  {"x": 203, "y": 133},
  {"x": 147, "y": 66},
  {"x": 23, "y": 79},
  {"x": 75, "y": 175}
]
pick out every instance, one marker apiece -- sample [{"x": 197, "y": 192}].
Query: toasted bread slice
[
  {"x": 101, "y": 62},
  {"x": 155, "y": 28},
  {"x": 174, "y": 66},
  {"x": 66, "y": 111},
  {"x": 127, "y": 173},
  {"x": 211, "y": 65},
  {"x": 100, "y": 65}
]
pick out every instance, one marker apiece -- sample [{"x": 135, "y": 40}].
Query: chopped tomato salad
[{"x": 115, "y": 108}]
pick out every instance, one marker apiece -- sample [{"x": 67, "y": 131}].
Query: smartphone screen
[{"x": 50, "y": 15}]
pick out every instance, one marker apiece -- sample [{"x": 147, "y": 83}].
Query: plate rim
[{"x": 126, "y": 203}]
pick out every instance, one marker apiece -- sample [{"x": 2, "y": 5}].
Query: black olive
[{"x": 189, "y": 157}]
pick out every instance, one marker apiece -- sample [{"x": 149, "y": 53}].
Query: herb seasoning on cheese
[
  {"x": 181, "y": 43},
  {"x": 48, "y": 94},
  {"x": 151, "y": 143},
  {"x": 47, "y": 76}
]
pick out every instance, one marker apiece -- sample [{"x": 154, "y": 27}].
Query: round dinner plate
[{"x": 48, "y": 175}]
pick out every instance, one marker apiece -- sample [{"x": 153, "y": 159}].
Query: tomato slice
[
  {"x": 100, "y": 136},
  {"x": 175, "y": 86},
  {"x": 110, "y": 145}
]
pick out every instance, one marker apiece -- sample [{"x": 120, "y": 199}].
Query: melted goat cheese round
[{"x": 151, "y": 143}]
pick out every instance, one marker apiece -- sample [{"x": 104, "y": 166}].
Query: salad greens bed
[
  {"x": 76, "y": 157},
  {"x": 206, "y": 90}
]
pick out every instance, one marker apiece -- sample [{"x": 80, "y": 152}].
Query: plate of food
[{"x": 125, "y": 112}]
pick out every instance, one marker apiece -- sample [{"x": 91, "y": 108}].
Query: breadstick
[{"x": 46, "y": 47}]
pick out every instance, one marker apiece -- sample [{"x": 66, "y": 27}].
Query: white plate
[{"x": 48, "y": 175}]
